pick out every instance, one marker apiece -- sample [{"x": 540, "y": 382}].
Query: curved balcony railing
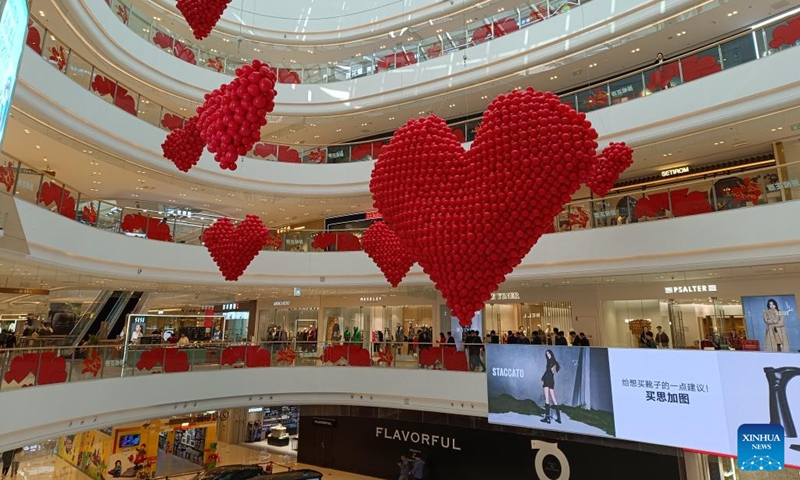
[
  {"x": 742, "y": 48},
  {"x": 760, "y": 182},
  {"x": 476, "y": 31}
]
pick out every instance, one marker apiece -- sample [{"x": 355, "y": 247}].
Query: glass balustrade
[
  {"x": 476, "y": 31},
  {"x": 743, "y": 48},
  {"x": 742, "y": 189}
]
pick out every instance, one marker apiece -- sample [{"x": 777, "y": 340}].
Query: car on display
[
  {"x": 231, "y": 472},
  {"x": 293, "y": 475}
]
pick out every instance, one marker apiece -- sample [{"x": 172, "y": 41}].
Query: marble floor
[{"x": 46, "y": 467}]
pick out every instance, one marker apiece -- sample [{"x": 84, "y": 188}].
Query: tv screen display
[
  {"x": 129, "y": 440},
  {"x": 13, "y": 25}
]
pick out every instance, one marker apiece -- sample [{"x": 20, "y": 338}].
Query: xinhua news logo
[{"x": 761, "y": 447}]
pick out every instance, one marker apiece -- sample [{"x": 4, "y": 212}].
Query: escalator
[{"x": 111, "y": 307}]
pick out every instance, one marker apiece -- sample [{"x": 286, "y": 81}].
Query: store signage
[
  {"x": 532, "y": 315},
  {"x": 789, "y": 184},
  {"x": 505, "y": 296},
  {"x": 690, "y": 289},
  {"x": 674, "y": 171},
  {"x": 139, "y": 320},
  {"x": 606, "y": 214},
  {"x": 374, "y": 215},
  {"x": 417, "y": 438},
  {"x": 371, "y": 299},
  {"x": 230, "y": 306},
  {"x": 796, "y": 126},
  {"x": 177, "y": 212},
  {"x": 284, "y": 303},
  {"x": 297, "y": 292},
  {"x": 25, "y": 291},
  {"x": 622, "y": 91},
  {"x": 255, "y": 410},
  {"x": 325, "y": 422}
]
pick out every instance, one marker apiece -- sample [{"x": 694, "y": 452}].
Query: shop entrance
[{"x": 323, "y": 447}]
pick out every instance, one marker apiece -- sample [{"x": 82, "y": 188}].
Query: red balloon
[
  {"x": 468, "y": 218},
  {"x": 233, "y": 248},
  {"x": 184, "y": 146},
  {"x": 388, "y": 253},
  {"x": 202, "y": 15},
  {"x": 615, "y": 159}
]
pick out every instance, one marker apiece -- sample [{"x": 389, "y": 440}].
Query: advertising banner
[
  {"x": 773, "y": 321},
  {"x": 551, "y": 387},
  {"x": 696, "y": 400},
  {"x": 13, "y": 27}
]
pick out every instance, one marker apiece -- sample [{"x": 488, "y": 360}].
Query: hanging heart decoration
[
  {"x": 469, "y": 217},
  {"x": 234, "y": 248},
  {"x": 202, "y": 15},
  {"x": 615, "y": 159},
  {"x": 184, "y": 146},
  {"x": 228, "y": 122},
  {"x": 388, "y": 253}
]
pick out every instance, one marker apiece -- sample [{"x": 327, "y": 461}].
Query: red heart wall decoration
[
  {"x": 388, "y": 253},
  {"x": 231, "y": 118},
  {"x": 233, "y": 248},
  {"x": 470, "y": 217},
  {"x": 614, "y": 160},
  {"x": 184, "y": 146},
  {"x": 202, "y": 15}
]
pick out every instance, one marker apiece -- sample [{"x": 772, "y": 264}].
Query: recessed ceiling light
[
  {"x": 338, "y": 130},
  {"x": 554, "y": 77},
  {"x": 592, "y": 65},
  {"x": 391, "y": 118},
  {"x": 383, "y": 46},
  {"x": 484, "y": 97},
  {"x": 452, "y": 105},
  {"x": 733, "y": 13},
  {"x": 635, "y": 50},
  {"x": 667, "y": 154},
  {"x": 316, "y": 136},
  {"x": 38, "y": 147},
  {"x": 777, "y": 129},
  {"x": 681, "y": 33},
  {"x": 41, "y": 13},
  {"x": 719, "y": 143},
  {"x": 28, "y": 131}
]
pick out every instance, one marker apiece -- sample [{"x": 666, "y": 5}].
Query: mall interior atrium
[{"x": 442, "y": 238}]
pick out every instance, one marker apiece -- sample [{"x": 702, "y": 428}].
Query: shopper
[
  {"x": 417, "y": 468},
  {"x": 649, "y": 342},
  {"x": 537, "y": 339},
  {"x": 494, "y": 338},
  {"x": 450, "y": 339},
  {"x": 184, "y": 341},
  {"x": 662, "y": 340},
  {"x": 584, "y": 340},
  {"x": 574, "y": 339},
  {"x": 442, "y": 339},
  {"x": 405, "y": 468},
  {"x": 522, "y": 339},
  {"x": 11, "y": 340},
  {"x": 7, "y": 457},
  {"x": 561, "y": 339},
  {"x": 15, "y": 459},
  {"x": 512, "y": 339}
]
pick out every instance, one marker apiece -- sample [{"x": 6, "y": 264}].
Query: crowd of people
[{"x": 11, "y": 338}]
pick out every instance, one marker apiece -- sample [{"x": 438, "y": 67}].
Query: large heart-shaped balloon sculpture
[
  {"x": 228, "y": 122},
  {"x": 233, "y": 248},
  {"x": 614, "y": 160},
  {"x": 388, "y": 253},
  {"x": 468, "y": 218},
  {"x": 184, "y": 146},
  {"x": 231, "y": 118},
  {"x": 202, "y": 15}
]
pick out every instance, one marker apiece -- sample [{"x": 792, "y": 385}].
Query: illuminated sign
[
  {"x": 690, "y": 289},
  {"x": 255, "y": 410},
  {"x": 777, "y": 186},
  {"x": 230, "y": 306},
  {"x": 674, "y": 171},
  {"x": 25, "y": 291},
  {"x": 371, "y": 299},
  {"x": 284, "y": 303},
  {"x": 372, "y": 215},
  {"x": 505, "y": 296}
]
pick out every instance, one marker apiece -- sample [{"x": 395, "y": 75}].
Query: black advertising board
[{"x": 373, "y": 446}]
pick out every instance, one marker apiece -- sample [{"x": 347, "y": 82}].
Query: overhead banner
[
  {"x": 689, "y": 399},
  {"x": 13, "y": 27}
]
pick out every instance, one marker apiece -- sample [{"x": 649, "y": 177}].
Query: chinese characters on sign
[
  {"x": 622, "y": 91},
  {"x": 605, "y": 214},
  {"x": 690, "y": 289},
  {"x": 665, "y": 392},
  {"x": 777, "y": 186}
]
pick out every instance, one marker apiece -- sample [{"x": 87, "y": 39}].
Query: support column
[{"x": 695, "y": 466}]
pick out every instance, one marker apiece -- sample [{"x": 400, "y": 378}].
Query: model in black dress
[{"x": 549, "y": 384}]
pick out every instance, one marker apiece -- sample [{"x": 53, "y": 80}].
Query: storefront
[
  {"x": 148, "y": 329},
  {"x": 453, "y": 446},
  {"x": 273, "y": 429},
  {"x": 353, "y": 221},
  {"x": 191, "y": 439},
  {"x": 509, "y": 311},
  {"x": 239, "y": 319},
  {"x": 289, "y": 320}
]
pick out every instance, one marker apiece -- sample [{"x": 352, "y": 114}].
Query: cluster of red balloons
[
  {"x": 231, "y": 118},
  {"x": 202, "y": 15},
  {"x": 388, "y": 253},
  {"x": 233, "y": 248},
  {"x": 228, "y": 122},
  {"x": 184, "y": 146},
  {"x": 615, "y": 159},
  {"x": 468, "y": 218}
]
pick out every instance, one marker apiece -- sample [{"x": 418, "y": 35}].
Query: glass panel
[
  {"x": 35, "y": 37},
  {"x": 169, "y": 120},
  {"x": 126, "y": 100},
  {"x": 591, "y": 100},
  {"x": 139, "y": 24},
  {"x": 55, "y": 52},
  {"x": 738, "y": 51},
  {"x": 737, "y": 192},
  {"x": 103, "y": 86},
  {"x": 691, "y": 200},
  {"x": 700, "y": 65},
  {"x": 626, "y": 89},
  {"x": 79, "y": 70},
  {"x": 664, "y": 76},
  {"x": 606, "y": 213},
  {"x": 150, "y": 112},
  {"x": 108, "y": 217},
  {"x": 28, "y": 183}
]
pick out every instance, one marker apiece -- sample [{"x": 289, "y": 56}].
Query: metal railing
[
  {"x": 737, "y": 50},
  {"x": 735, "y": 187}
]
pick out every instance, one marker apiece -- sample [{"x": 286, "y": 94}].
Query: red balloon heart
[
  {"x": 615, "y": 159},
  {"x": 233, "y": 248},
  {"x": 184, "y": 146},
  {"x": 202, "y": 15},
  {"x": 469, "y": 218},
  {"x": 388, "y": 253}
]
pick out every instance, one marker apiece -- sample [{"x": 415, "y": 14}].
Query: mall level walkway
[{"x": 53, "y": 467}]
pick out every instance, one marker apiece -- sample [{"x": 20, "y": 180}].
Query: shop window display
[{"x": 525, "y": 318}]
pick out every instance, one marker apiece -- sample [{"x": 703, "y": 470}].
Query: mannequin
[
  {"x": 548, "y": 333},
  {"x": 716, "y": 339}
]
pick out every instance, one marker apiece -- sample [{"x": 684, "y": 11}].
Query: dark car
[
  {"x": 293, "y": 475},
  {"x": 231, "y": 472}
]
